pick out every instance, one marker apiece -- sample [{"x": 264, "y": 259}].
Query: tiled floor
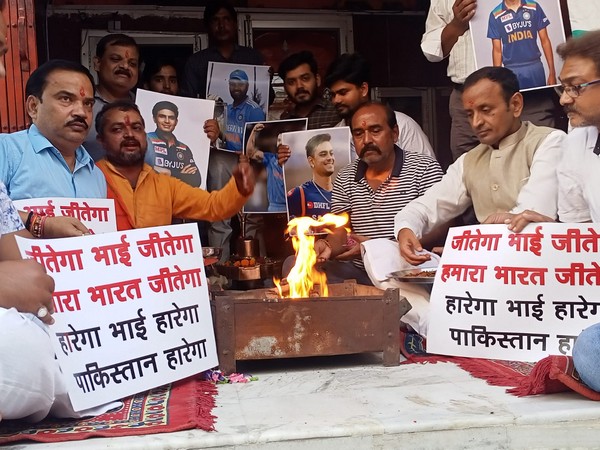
[{"x": 354, "y": 403}]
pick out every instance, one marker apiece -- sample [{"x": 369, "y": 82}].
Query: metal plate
[
  {"x": 410, "y": 276},
  {"x": 211, "y": 255}
]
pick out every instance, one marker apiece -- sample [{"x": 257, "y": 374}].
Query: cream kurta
[{"x": 519, "y": 175}]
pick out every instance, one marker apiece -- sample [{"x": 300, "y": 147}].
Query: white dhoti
[
  {"x": 382, "y": 257},
  {"x": 31, "y": 383}
]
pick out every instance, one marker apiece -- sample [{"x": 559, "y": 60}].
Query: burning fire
[{"x": 304, "y": 275}]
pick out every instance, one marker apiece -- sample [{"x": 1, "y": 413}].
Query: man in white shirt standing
[
  {"x": 447, "y": 35},
  {"x": 348, "y": 82}
]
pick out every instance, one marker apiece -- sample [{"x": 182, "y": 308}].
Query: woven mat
[
  {"x": 183, "y": 405},
  {"x": 548, "y": 376}
]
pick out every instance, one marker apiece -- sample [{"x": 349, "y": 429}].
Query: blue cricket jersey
[
  {"x": 237, "y": 116},
  {"x": 518, "y": 31},
  {"x": 308, "y": 200}
]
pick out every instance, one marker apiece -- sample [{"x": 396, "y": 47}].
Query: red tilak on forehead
[
  {"x": 127, "y": 120},
  {"x": 364, "y": 123},
  {"x": 126, "y": 53},
  {"x": 82, "y": 91}
]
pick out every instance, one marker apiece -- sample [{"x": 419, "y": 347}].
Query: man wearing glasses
[
  {"x": 579, "y": 91},
  {"x": 578, "y": 180},
  {"x": 579, "y": 184}
]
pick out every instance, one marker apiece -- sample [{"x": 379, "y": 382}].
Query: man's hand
[
  {"x": 244, "y": 176},
  {"x": 212, "y": 130},
  {"x": 283, "y": 154},
  {"x": 499, "y": 217},
  {"x": 352, "y": 247},
  {"x": 521, "y": 220},
  {"x": 409, "y": 245},
  {"x": 25, "y": 286},
  {"x": 323, "y": 250},
  {"x": 63, "y": 226},
  {"x": 190, "y": 169},
  {"x": 463, "y": 11}
]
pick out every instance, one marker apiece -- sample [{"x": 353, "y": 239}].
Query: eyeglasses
[{"x": 575, "y": 90}]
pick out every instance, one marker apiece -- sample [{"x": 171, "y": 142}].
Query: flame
[{"x": 304, "y": 275}]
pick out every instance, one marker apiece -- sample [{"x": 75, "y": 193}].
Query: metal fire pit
[{"x": 354, "y": 319}]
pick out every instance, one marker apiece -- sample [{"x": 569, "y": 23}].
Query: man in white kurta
[
  {"x": 578, "y": 180},
  {"x": 31, "y": 384},
  {"x": 513, "y": 168}
]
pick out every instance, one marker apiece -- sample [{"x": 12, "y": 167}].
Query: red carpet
[
  {"x": 550, "y": 375},
  {"x": 182, "y": 405}
]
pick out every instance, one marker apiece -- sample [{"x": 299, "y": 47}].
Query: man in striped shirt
[{"x": 372, "y": 190}]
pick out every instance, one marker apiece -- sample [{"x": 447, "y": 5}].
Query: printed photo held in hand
[
  {"x": 261, "y": 141},
  {"x": 177, "y": 144},
  {"x": 315, "y": 158},
  {"x": 521, "y": 36},
  {"x": 242, "y": 91},
  {"x": 131, "y": 310}
]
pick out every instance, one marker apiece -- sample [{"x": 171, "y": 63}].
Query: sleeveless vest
[{"x": 494, "y": 177}]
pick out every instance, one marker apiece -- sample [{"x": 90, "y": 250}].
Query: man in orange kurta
[{"x": 144, "y": 198}]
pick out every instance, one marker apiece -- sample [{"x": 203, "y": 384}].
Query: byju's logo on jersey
[
  {"x": 508, "y": 27},
  {"x": 506, "y": 17}
]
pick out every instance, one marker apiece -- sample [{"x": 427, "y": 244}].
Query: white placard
[
  {"x": 131, "y": 308},
  {"x": 503, "y": 295},
  {"x": 97, "y": 214}
]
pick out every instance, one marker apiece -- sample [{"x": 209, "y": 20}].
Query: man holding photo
[{"x": 220, "y": 21}]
